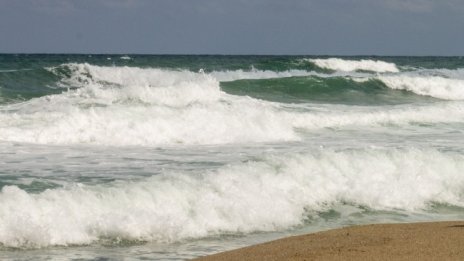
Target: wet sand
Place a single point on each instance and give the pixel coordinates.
(413, 241)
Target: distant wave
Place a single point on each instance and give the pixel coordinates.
(76, 73)
(434, 86)
(326, 89)
(440, 83)
(233, 75)
(338, 64)
(437, 83)
(14, 70)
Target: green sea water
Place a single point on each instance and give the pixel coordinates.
(133, 157)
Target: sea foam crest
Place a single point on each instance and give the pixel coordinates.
(149, 85)
(276, 193)
(338, 64)
(434, 86)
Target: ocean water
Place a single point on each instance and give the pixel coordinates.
(138, 157)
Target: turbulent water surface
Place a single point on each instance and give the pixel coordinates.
(173, 157)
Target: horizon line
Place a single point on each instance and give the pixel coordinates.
(225, 54)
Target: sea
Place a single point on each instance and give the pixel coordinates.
(172, 157)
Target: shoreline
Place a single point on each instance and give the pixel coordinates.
(405, 241)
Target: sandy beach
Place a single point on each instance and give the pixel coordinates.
(413, 241)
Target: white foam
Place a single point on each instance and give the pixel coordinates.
(342, 116)
(451, 73)
(276, 193)
(338, 64)
(243, 120)
(145, 125)
(14, 70)
(120, 106)
(434, 86)
(439, 72)
(227, 76)
(134, 106)
(254, 74)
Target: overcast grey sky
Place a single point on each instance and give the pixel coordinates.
(344, 27)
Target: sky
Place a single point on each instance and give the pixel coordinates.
(317, 27)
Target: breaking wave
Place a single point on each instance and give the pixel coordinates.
(338, 64)
(434, 86)
(275, 193)
(122, 106)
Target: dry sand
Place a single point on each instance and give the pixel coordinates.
(416, 241)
